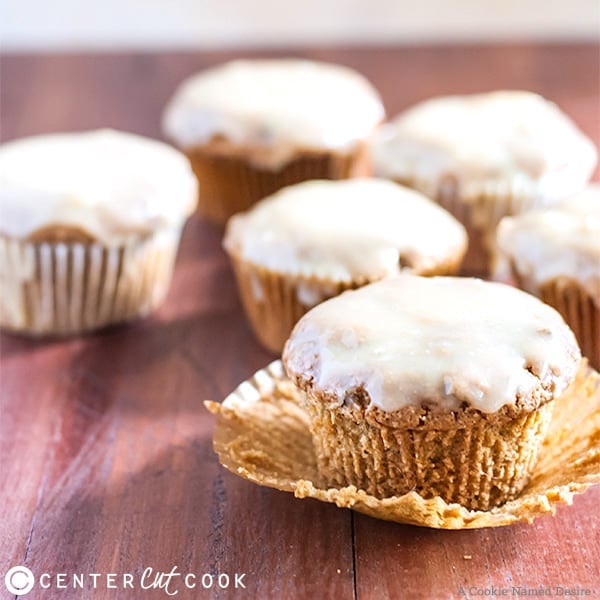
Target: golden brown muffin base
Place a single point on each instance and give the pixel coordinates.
(262, 434)
(61, 233)
(230, 182)
(272, 301)
(60, 287)
(479, 465)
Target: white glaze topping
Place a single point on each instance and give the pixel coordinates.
(440, 341)
(345, 230)
(108, 183)
(499, 140)
(283, 105)
(560, 242)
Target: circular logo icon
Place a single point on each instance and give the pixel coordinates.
(19, 581)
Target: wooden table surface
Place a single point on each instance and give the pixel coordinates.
(106, 461)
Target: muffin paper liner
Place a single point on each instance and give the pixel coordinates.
(274, 302)
(231, 183)
(479, 466)
(262, 434)
(64, 288)
(580, 312)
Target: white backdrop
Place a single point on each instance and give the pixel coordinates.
(108, 24)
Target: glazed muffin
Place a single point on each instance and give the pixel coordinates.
(555, 254)
(440, 385)
(89, 228)
(250, 127)
(486, 156)
(313, 240)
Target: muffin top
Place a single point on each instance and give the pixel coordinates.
(346, 231)
(441, 342)
(560, 242)
(106, 183)
(487, 142)
(287, 103)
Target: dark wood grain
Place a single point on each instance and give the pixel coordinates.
(106, 463)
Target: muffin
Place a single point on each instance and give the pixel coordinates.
(555, 254)
(440, 385)
(313, 240)
(89, 228)
(250, 127)
(484, 157)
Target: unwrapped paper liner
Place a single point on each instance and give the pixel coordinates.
(262, 434)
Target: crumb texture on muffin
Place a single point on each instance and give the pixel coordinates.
(280, 106)
(346, 231)
(442, 344)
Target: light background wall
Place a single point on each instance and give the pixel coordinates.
(144, 24)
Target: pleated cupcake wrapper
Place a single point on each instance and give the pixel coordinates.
(274, 302)
(66, 288)
(263, 434)
(479, 467)
(580, 312)
(230, 184)
(479, 208)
